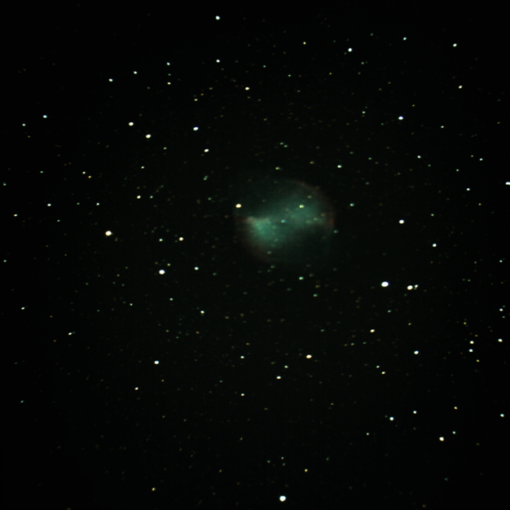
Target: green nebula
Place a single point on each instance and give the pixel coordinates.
(287, 223)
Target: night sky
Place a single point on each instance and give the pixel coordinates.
(252, 261)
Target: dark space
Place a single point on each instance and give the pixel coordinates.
(164, 349)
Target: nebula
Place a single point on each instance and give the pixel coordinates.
(285, 222)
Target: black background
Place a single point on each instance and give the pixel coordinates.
(163, 366)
